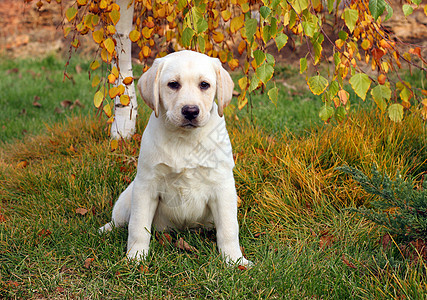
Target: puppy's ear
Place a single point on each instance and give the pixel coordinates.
(224, 87)
(148, 85)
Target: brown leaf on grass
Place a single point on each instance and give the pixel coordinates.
(12, 71)
(183, 245)
(36, 104)
(2, 218)
(257, 235)
(60, 289)
(164, 238)
(66, 103)
(415, 250)
(22, 164)
(386, 240)
(239, 201)
(78, 69)
(12, 283)
(88, 262)
(347, 262)
(242, 268)
(326, 240)
(44, 233)
(82, 211)
(143, 269)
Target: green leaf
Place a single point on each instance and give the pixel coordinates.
(326, 112)
(309, 28)
(264, 72)
(302, 65)
(250, 26)
(416, 2)
(281, 40)
(360, 83)
(389, 12)
(253, 84)
(299, 5)
(395, 112)
(201, 43)
(259, 57)
(187, 36)
(377, 8)
(350, 18)
(264, 11)
(380, 93)
(340, 114)
(273, 94)
(407, 9)
(71, 13)
(343, 35)
(317, 84)
(317, 41)
(331, 5)
(333, 88)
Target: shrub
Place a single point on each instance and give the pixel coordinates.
(399, 206)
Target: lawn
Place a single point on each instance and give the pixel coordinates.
(59, 180)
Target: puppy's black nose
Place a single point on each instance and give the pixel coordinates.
(190, 112)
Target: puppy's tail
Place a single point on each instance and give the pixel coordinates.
(121, 211)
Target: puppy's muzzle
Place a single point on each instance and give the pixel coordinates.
(190, 112)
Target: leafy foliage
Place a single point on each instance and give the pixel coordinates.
(401, 207)
(225, 29)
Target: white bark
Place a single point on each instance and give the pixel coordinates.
(124, 116)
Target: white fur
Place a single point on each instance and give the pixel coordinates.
(185, 173)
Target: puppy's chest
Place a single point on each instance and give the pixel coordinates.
(187, 184)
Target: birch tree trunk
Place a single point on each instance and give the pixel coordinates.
(124, 116)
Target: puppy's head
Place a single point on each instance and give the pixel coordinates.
(182, 87)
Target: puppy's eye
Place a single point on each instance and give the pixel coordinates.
(174, 85)
(204, 85)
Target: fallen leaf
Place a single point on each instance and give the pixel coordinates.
(22, 164)
(257, 235)
(164, 239)
(60, 289)
(78, 69)
(183, 245)
(386, 240)
(82, 211)
(12, 283)
(326, 240)
(2, 218)
(239, 201)
(44, 232)
(240, 267)
(143, 269)
(66, 103)
(347, 262)
(88, 262)
(37, 104)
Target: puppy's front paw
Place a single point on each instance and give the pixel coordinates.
(137, 254)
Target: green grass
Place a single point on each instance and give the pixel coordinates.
(293, 222)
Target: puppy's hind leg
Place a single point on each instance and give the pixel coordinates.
(121, 210)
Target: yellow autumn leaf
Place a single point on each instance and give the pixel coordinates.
(98, 36)
(128, 80)
(107, 109)
(226, 15)
(147, 32)
(115, 71)
(124, 100)
(113, 92)
(115, 16)
(98, 98)
(109, 45)
(134, 35)
(121, 89)
(237, 23)
(111, 78)
(217, 36)
(114, 144)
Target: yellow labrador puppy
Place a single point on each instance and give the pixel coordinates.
(185, 170)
